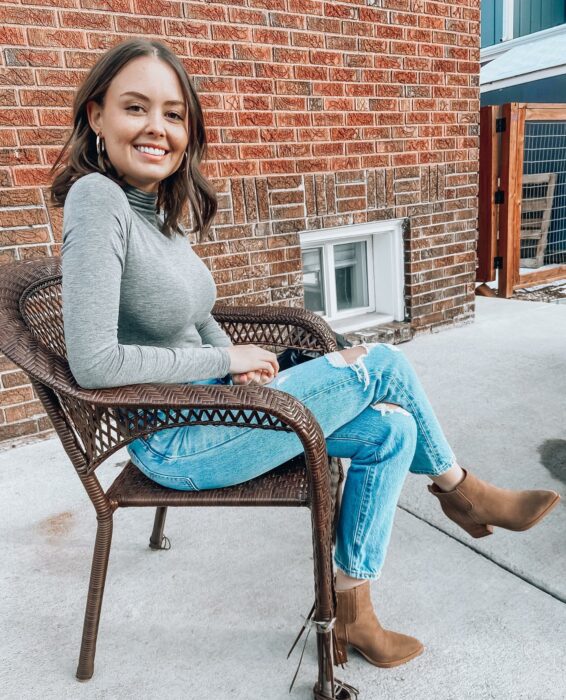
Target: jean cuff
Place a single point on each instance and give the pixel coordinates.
(358, 573)
(436, 471)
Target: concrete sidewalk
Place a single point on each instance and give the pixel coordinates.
(214, 617)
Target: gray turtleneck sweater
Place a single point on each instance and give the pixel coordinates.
(136, 304)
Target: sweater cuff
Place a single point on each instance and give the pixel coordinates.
(224, 360)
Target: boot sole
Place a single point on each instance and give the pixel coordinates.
(390, 664)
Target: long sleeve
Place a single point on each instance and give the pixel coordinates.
(212, 334)
(97, 225)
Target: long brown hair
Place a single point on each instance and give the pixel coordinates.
(78, 156)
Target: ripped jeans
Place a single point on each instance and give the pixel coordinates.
(352, 403)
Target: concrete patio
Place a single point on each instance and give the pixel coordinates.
(214, 617)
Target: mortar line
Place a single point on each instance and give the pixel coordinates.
(485, 556)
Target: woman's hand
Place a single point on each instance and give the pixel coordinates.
(252, 359)
(257, 377)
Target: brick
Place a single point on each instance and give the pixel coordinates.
(15, 430)
(33, 409)
(57, 37)
(240, 15)
(231, 33)
(32, 57)
(32, 176)
(27, 16)
(20, 197)
(290, 21)
(256, 119)
(85, 20)
(252, 53)
(308, 40)
(139, 25)
(110, 5)
(211, 49)
(238, 68)
(80, 59)
(203, 67)
(256, 152)
(290, 55)
(10, 397)
(16, 117)
(8, 98)
(12, 36)
(157, 8)
(190, 29)
(55, 117)
(19, 156)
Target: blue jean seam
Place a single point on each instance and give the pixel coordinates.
(436, 457)
(362, 515)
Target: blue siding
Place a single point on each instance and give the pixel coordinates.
(491, 22)
(534, 15)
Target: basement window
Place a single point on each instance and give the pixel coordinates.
(353, 275)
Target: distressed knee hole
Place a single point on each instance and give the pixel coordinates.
(336, 359)
(387, 408)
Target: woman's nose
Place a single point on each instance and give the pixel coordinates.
(155, 123)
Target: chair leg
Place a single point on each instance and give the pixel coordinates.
(158, 539)
(94, 600)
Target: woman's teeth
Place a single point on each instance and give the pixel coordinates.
(151, 151)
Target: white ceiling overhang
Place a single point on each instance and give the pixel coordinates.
(539, 59)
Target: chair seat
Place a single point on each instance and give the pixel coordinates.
(287, 485)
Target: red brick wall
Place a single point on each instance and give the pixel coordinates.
(319, 114)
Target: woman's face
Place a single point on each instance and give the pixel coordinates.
(143, 121)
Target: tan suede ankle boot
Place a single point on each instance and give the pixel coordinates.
(357, 625)
(477, 506)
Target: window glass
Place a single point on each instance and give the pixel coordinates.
(350, 263)
(313, 280)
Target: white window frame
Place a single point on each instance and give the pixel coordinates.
(385, 270)
(508, 17)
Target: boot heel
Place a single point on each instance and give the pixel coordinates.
(477, 530)
(340, 653)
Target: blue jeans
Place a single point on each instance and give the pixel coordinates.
(352, 405)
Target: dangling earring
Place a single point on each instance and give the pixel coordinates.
(100, 152)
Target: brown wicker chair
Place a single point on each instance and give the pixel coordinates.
(93, 424)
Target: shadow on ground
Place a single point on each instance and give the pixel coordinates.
(553, 456)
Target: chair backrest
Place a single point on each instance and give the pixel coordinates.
(42, 311)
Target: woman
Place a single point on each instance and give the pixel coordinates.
(137, 302)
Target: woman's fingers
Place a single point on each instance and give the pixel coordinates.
(251, 358)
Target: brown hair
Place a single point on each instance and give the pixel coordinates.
(78, 156)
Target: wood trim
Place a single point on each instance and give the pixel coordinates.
(540, 276)
(545, 112)
(487, 219)
(512, 146)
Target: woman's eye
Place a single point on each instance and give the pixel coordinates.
(175, 115)
(134, 107)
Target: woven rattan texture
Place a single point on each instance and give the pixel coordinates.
(285, 486)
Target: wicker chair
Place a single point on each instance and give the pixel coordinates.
(93, 424)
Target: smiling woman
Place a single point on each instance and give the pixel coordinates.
(137, 119)
(137, 304)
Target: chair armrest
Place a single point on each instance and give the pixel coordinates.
(282, 326)
(107, 419)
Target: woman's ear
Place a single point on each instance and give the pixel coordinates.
(94, 114)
